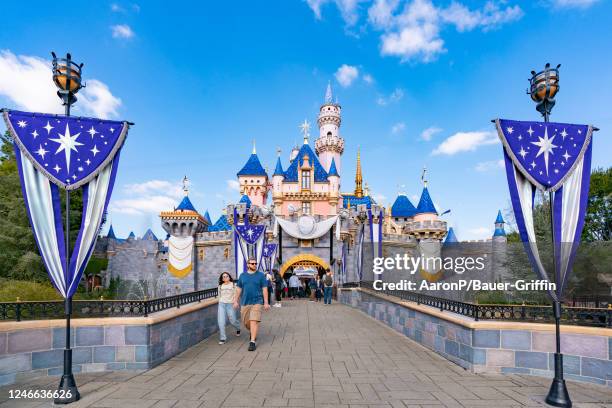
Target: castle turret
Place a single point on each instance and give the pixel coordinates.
(500, 233)
(426, 225)
(184, 220)
(334, 187)
(277, 184)
(358, 177)
(253, 180)
(329, 144)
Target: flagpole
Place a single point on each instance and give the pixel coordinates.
(543, 88)
(68, 80)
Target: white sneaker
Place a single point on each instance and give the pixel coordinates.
(277, 305)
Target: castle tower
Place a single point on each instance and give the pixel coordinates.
(426, 225)
(500, 233)
(358, 177)
(277, 184)
(329, 144)
(253, 180)
(334, 187)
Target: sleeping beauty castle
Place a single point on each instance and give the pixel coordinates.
(300, 220)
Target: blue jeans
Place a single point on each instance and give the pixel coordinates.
(223, 310)
(327, 295)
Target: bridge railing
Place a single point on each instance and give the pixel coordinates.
(54, 309)
(581, 316)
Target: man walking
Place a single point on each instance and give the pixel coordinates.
(294, 284)
(328, 284)
(252, 290)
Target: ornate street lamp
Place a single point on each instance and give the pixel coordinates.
(544, 85)
(67, 78)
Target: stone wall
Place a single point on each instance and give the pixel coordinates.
(36, 348)
(490, 346)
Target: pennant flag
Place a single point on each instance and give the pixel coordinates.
(55, 152)
(552, 157)
(250, 240)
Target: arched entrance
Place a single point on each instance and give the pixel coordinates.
(303, 260)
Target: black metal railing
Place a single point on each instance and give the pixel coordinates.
(54, 309)
(582, 316)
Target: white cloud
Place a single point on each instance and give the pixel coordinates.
(122, 31)
(233, 185)
(368, 79)
(26, 81)
(116, 8)
(395, 96)
(149, 197)
(412, 32)
(346, 75)
(380, 14)
(398, 128)
(428, 133)
(479, 233)
(465, 142)
(573, 3)
(348, 9)
(489, 165)
(379, 198)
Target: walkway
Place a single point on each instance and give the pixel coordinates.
(313, 355)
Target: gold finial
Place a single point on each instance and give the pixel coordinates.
(348, 204)
(358, 177)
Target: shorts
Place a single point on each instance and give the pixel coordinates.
(249, 313)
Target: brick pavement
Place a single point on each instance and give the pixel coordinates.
(311, 355)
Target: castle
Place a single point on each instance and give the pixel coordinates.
(314, 223)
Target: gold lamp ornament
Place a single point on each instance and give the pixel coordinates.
(67, 78)
(543, 86)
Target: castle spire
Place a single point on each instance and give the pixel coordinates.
(358, 177)
(254, 148)
(186, 185)
(328, 93)
(424, 176)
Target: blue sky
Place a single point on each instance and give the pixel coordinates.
(201, 81)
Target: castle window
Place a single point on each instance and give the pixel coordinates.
(329, 133)
(306, 180)
(306, 208)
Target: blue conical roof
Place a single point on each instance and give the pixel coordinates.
(111, 233)
(425, 203)
(333, 171)
(402, 207)
(252, 167)
(132, 235)
(207, 217)
(149, 235)
(186, 205)
(451, 237)
(221, 225)
(291, 175)
(499, 219)
(278, 170)
(245, 199)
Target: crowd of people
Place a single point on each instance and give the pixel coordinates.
(252, 294)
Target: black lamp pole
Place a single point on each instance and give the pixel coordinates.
(544, 86)
(67, 77)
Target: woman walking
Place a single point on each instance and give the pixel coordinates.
(319, 293)
(226, 292)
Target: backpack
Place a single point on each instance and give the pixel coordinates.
(327, 280)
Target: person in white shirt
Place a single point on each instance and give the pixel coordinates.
(294, 284)
(226, 293)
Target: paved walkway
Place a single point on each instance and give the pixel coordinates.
(313, 355)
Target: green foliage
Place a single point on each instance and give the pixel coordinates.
(95, 266)
(598, 220)
(10, 290)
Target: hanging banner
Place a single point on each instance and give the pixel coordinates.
(269, 256)
(250, 239)
(180, 256)
(343, 266)
(360, 253)
(376, 229)
(551, 157)
(54, 152)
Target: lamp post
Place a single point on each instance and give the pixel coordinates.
(67, 78)
(543, 86)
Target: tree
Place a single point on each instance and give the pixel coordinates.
(19, 256)
(598, 220)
